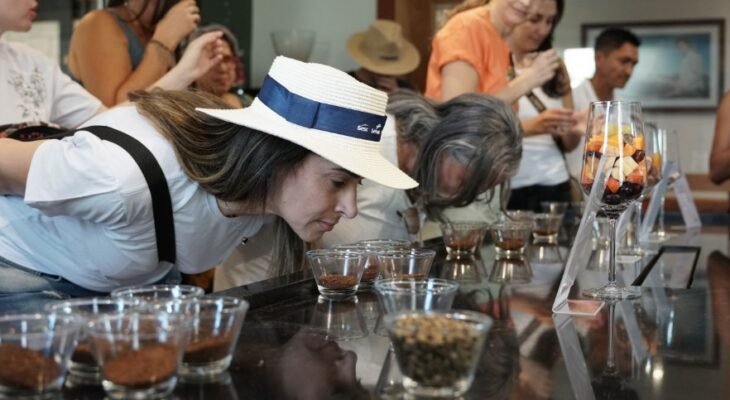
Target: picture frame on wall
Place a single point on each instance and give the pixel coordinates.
(680, 63)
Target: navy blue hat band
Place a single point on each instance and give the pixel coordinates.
(311, 114)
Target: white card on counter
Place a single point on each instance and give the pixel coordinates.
(686, 203)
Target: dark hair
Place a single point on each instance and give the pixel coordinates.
(612, 38)
(478, 130)
(559, 85)
(163, 6)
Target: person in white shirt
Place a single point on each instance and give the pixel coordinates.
(616, 55)
(548, 120)
(35, 91)
(458, 151)
(76, 216)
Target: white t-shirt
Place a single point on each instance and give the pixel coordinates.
(583, 96)
(542, 163)
(35, 89)
(87, 212)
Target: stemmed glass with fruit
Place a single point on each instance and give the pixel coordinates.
(615, 141)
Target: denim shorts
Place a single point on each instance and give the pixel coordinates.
(25, 290)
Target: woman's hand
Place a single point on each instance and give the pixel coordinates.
(554, 121)
(539, 70)
(200, 56)
(179, 22)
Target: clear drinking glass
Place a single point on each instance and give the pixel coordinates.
(217, 322)
(34, 353)
(406, 264)
(654, 156)
(667, 142)
(150, 293)
(337, 272)
(547, 227)
(510, 238)
(615, 136)
(409, 294)
(463, 238)
(139, 352)
(83, 368)
(437, 352)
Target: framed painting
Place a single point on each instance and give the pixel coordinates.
(680, 63)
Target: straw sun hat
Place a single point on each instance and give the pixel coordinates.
(325, 111)
(383, 49)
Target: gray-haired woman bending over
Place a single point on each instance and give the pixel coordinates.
(457, 150)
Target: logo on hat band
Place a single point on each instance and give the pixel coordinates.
(312, 114)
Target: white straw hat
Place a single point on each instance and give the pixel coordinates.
(325, 111)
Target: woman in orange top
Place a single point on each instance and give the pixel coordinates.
(469, 53)
(129, 45)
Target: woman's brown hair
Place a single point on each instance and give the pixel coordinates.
(229, 161)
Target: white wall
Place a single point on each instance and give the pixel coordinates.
(695, 128)
(333, 20)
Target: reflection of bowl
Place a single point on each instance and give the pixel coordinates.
(462, 269)
(339, 320)
(293, 43)
(510, 270)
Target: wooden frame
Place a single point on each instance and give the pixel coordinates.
(681, 63)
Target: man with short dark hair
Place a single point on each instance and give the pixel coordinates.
(616, 53)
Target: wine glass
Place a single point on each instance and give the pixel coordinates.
(653, 159)
(667, 142)
(614, 139)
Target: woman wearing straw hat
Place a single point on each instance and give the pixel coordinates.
(458, 150)
(78, 217)
(383, 54)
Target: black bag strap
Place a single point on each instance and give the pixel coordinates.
(161, 201)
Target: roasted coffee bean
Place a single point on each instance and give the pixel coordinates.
(338, 281)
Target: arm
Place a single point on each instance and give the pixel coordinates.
(15, 158)
(720, 155)
(101, 61)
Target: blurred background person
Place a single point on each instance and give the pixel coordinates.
(37, 93)
(384, 56)
(469, 53)
(720, 153)
(616, 53)
(223, 80)
(547, 116)
(129, 45)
